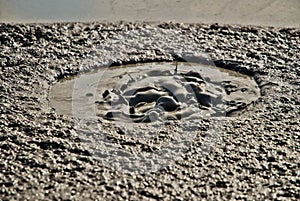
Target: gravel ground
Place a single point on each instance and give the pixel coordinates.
(254, 157)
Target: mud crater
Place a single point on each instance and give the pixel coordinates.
(149, 92)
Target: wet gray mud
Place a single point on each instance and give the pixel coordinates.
(45, 154)
(155, 91)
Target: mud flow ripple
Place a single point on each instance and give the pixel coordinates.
(150, 92)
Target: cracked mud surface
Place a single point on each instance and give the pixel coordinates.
(254, 156)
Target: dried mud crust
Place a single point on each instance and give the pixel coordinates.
(255, 157)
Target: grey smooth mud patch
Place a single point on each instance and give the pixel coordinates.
(134, 92)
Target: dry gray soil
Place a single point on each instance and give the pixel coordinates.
(254, 156)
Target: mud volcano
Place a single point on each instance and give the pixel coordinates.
(150, 92)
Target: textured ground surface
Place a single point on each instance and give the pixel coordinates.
(254, 157)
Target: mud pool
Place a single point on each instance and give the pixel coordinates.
(150, 92)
